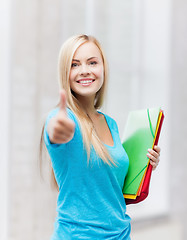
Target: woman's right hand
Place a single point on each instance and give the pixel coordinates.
(60, 128)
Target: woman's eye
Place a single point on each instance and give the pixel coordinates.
(74, 65)
(93, 63)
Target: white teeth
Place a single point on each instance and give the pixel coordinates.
(85, 81)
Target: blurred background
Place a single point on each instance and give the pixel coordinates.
(145, 42)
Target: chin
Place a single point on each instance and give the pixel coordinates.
(85, 92)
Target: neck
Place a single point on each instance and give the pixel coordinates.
(87, 104)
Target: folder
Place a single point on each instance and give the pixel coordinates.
(142, 132)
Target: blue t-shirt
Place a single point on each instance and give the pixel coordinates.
(90, 203)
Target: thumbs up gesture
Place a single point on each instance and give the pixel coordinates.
(60, 128)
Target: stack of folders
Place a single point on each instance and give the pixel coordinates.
(141, 132)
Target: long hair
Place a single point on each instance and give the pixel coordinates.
(90, 137)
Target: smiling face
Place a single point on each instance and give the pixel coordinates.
(87, 71)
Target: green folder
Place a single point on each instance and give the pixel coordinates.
(138, 137)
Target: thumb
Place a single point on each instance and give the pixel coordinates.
(63, 101)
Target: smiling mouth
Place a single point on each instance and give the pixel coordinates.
(85, 82)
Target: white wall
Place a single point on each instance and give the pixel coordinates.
(5, 98)
(162, 230)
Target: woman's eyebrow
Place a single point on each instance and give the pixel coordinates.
(76, 60)
(91, 58)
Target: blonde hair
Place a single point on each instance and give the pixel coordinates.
(90, 137)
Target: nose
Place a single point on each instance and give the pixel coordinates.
(84, 70)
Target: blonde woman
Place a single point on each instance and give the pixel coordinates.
(88, 160)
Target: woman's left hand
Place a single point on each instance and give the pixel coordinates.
(154, 156)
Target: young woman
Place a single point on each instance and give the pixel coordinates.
(88, 159)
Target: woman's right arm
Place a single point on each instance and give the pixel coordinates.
(60, 128)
